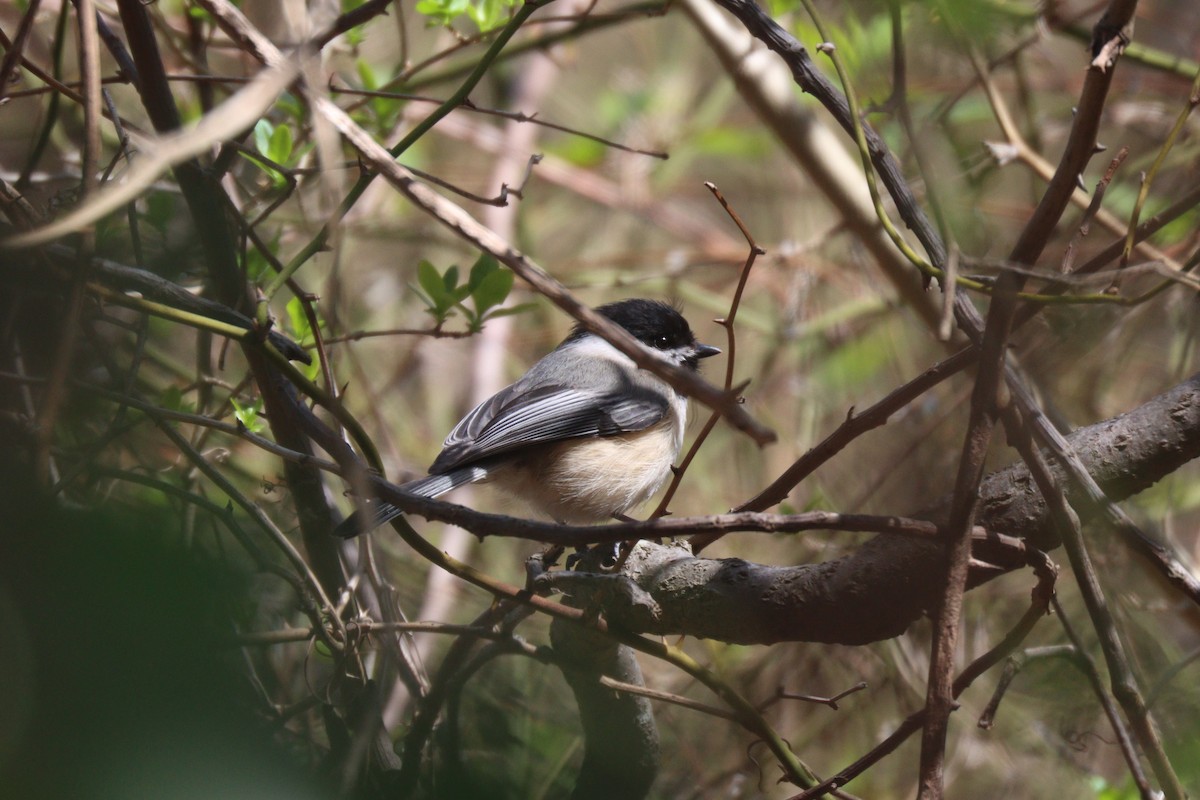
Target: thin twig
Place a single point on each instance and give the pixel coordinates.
(1148, 178)
(55, 394)
(1040, 599)
(854, 426)
(16, 47)
(668, 697)
(514, 116)
(1124, 740)
(363, 627)
(730, 349)
(262, 49)
(462, 224)
(1068, 261)
(259, 516)
(1124, 684)
(832, 702)
(1080, 147)
(1013, 665)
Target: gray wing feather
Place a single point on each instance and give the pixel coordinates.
(513, 419)
(478, 418)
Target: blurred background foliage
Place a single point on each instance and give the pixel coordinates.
(820, 330)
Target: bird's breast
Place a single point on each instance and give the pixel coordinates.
(594, 479)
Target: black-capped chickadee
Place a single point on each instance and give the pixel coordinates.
(583, 436)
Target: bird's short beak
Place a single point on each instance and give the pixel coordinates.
(706, 350)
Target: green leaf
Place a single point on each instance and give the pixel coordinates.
(248, 415)
(492, 290)
(366, 75)
(486, 14)
(263, 130)
(441, 291)
(455, 293)
(483, 266)
(520, 308)
(311, 371)
(279, 147)
(301, 328)
(442, 12)
(256, 264)
(431, 281)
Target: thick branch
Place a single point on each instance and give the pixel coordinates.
(621, 753)
(879, 590)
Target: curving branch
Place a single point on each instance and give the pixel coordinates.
(879, 590)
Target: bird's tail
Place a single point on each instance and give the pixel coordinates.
(380, 513)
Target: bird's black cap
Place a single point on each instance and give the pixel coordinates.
(655, 324)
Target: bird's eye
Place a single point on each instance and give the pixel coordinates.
(662, 343)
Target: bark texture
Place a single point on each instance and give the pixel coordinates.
(884, 586)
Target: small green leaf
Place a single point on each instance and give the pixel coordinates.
(492, 290)
(455, 293)
(431, 281)
(263, 130)
(441, 291)
(520, 308)
(248, 415)
(442, 11)
(279, 148)
(256, 265)
(486, 14)
(366, 75)
(483, 266)
(301, 328)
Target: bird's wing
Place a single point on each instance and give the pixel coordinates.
(514, 418)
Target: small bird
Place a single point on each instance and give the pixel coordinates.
(583, 436)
